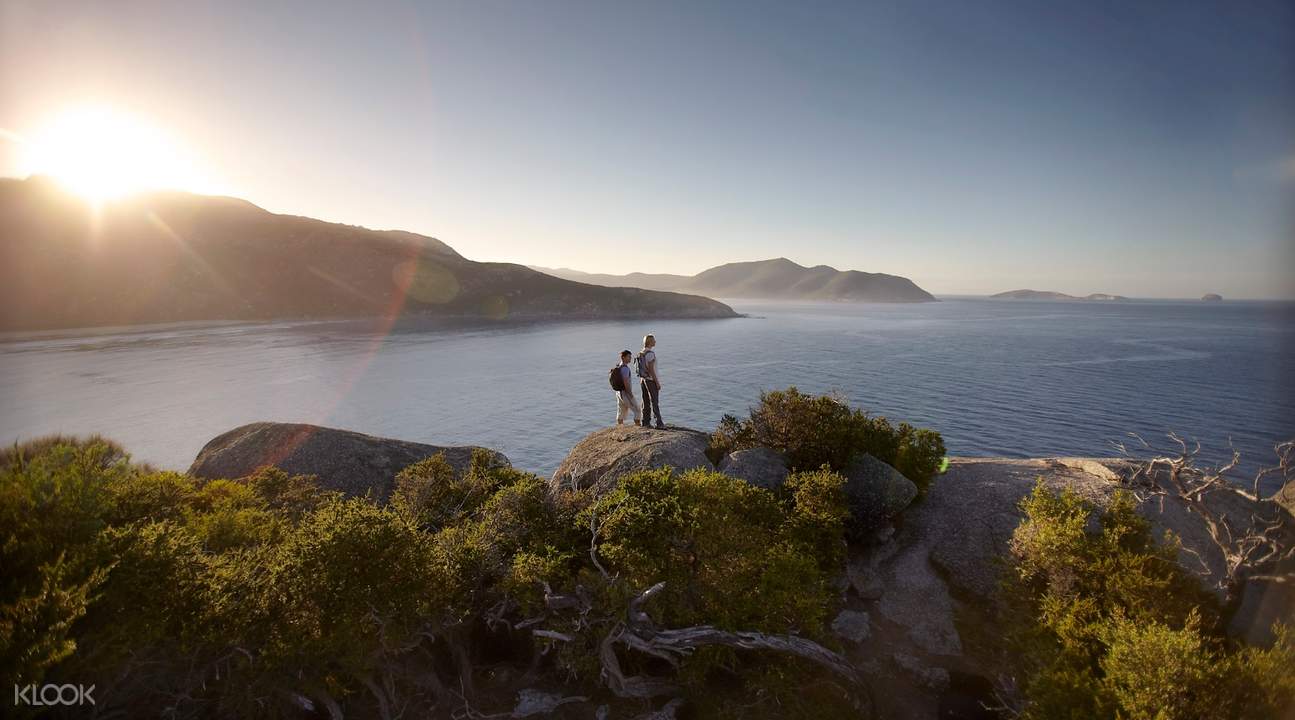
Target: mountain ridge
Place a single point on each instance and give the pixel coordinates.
(772, 279)
(172, 256)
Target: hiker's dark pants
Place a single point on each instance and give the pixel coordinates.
(651, 401)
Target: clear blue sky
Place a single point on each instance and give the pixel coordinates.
(1146, 149)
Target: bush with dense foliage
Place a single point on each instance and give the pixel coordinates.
(706, 534)
(255, 596)
(817, 430)
(1111, 626)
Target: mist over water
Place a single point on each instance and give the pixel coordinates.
(1009, 378)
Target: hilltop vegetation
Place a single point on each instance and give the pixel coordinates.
(167, 257)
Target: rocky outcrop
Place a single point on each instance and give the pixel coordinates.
(350, 462)
(760, 467)
(930, 590)
(876, 491)
(605, 455)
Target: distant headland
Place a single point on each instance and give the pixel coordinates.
(1052, 295)
(169, 257)
(776, 279)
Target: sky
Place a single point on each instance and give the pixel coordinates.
(1145, 149)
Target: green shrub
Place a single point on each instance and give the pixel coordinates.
(351, 582)
(147, 496)
(289, 495)
(431, 494)
(919, 454)
(1109, 625)
(531, 570)
(811, 430)
(1152, 670)
(817, 430)
(155, 592)
(51, 513)
(229, 597)
(818, 515)
(36, 620)
(228, 514)
(731, 434)
(731, 554)
(1077, 575)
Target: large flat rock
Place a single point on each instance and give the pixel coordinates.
(604, 455)
(350, 462)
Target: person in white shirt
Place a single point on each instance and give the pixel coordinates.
(625, 400)
(650, 382)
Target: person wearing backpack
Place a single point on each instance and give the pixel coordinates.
(645, 366)
(619, 378)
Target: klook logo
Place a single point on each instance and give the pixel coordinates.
(53, 695)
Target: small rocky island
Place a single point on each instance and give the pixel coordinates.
(1052, 295)
(1212, 297)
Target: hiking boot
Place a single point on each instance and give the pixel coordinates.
(660, 426)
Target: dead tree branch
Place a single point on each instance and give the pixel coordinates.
(639, 633)
(1256, 543)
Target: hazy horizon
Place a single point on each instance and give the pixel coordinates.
(1141, 151)
(950, 295)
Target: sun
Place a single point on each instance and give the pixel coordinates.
(102, 153)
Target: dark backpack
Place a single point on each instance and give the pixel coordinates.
(615, 378)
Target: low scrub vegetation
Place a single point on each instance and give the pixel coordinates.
(817, 430)
(265, 596)
(1111, 626)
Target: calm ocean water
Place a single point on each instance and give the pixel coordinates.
(1013, 378)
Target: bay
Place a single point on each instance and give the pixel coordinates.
(996, 378)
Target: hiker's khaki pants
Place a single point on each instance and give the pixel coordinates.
(625, 401)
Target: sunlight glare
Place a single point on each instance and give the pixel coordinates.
(101, 154)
